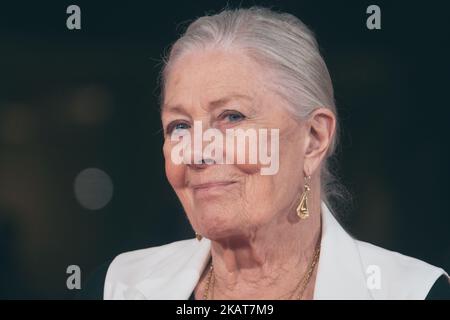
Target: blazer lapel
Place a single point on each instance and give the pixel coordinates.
(340, 274)
(175, 278)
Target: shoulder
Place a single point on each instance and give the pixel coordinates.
(129, 268)
(130, 264)
(349, 268)
(158, 252)
(391, 275)
(144, 273)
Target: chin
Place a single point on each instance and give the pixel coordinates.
(217, 224)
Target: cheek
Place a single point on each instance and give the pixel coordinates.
(256, 205)
(249, 169)
(175, 173)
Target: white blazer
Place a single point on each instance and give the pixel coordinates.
(347, 269)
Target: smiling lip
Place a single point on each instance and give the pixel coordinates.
(206, 190)
(211, 185)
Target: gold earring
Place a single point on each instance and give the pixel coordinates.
(198, 236)
(302, 209)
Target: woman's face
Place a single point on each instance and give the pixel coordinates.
(228, 90)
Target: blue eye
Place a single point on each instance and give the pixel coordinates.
(232, 116)
(180, 126)
(177, 126)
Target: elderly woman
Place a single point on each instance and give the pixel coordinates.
(258, 236)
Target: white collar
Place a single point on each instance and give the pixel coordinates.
(172, 271)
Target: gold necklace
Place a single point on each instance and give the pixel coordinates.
(307, 276)
(302, 284)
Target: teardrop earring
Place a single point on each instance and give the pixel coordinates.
(302, 209)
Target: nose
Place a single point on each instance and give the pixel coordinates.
(205, 162)
(198, 159)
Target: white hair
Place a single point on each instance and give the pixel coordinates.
(285, 45)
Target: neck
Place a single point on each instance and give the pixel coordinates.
(269, 262)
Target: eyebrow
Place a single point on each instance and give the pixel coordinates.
(212, 104)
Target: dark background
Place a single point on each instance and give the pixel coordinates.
(71, 100)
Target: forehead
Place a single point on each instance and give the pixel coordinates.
(202, 76)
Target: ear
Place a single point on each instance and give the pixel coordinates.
(320, 128)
